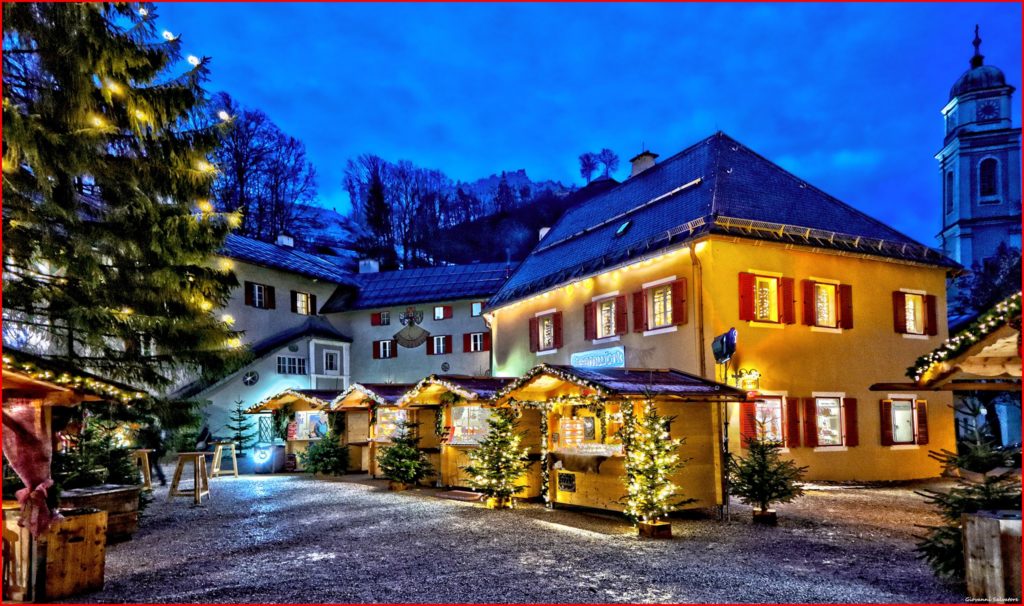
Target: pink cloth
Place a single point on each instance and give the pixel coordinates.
(27, 449)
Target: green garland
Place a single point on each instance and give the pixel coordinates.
(558, 373)
(545, 473)
(1004, 312)
(87, 384)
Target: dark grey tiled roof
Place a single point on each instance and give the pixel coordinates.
(408, 286)
(715, 186)
(632, 382)
(284, 258)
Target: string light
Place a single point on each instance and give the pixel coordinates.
(97, 121)
(204, 166)
(205, 206)
(224, 115)
(69, 380)
(141, 115)
(114, 87)
(193, 60)
(143, 12)
(226, 264)
(234, 343)
(227, 319)
(168, 35)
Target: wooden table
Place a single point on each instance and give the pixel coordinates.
(201, 485)
(141, 456)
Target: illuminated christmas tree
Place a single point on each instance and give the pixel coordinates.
(652, 458)
(499, 462)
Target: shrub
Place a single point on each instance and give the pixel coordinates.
(763, 477)
(326, 456)
(402, 460)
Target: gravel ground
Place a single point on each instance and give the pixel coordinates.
(290, 538)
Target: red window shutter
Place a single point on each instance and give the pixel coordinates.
(589, 322)
(748, 422)
(931, 323)
(487, 341)
(810, 423)
(375, 319)
(808, 287)
(850, 422)
(248, 293)
(922, 421)
(376, 350)
(556, 326)
(534, 335)
(678, 301)
(746, 296)
(294, 301)
(885, 420)
(621, 315)
(430, 346)
(312, 304)
(447, 312)
(467, 341)
(792, 422)
(845, 306)
(639, 311)
(787, 301)
(271, 298)
(448, 347)
(899, 311)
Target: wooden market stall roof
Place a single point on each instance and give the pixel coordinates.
(470, 388)
(315, 399)
(383, 394)
(630, 383)
(984, 356)
(57, 382)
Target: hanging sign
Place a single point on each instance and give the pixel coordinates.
(610, 357)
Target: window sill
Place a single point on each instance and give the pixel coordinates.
(826, 329)
(546, 352)
(830, 449)
(660, 331)
(908, 335)
(905, 447)
(757, 324)
(604, 340)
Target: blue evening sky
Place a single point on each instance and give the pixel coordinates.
(845, 96)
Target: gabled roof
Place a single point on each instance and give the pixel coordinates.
(470, 388)
(314, 398)
(32, 372)
(628, 383)
(384, 394)
(715, 186)
(284, 258)
(409, 286)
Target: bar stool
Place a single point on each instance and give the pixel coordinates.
(141, 457)
(200, 486)
(218, 453)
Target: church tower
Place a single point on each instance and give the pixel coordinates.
(979, 165)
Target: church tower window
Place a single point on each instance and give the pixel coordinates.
(988, 177)
(948, 191)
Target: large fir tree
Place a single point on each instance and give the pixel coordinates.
(498, 463)
(108, 231)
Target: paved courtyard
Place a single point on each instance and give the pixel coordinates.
(290, 538)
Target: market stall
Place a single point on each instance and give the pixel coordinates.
(452, 411)
(298, 418)
(581, 410)
(371, 414)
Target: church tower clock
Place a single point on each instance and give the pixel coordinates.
(979, 165)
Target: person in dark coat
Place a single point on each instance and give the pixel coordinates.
(152, 436)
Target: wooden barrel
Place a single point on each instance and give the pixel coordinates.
(120, 502)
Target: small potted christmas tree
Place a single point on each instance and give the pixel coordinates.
(498, 462)
(763, 477)
(402, 461)
(652, 458)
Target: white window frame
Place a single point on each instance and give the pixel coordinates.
(842, 420)
(385, 318)
(259, 295)
(608, 303)
(476, 309)
(924, 311)
(773, 305)
(649, 297)
(302, 303)
(782, 414)
(337, 371)
(912, 445)
(439, 312)
(384, 347)
(292, 365)
(476, 341)
(439, 349)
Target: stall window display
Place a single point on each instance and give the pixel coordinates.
(387, 422)
(469, 424)
(582, 434)
(768, 412)
(310, 425)
(830, 429)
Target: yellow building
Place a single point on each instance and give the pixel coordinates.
(581, 410)
(362, 404)
(825, 301)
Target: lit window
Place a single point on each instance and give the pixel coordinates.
(385, 349)
(387, 422)
(385, 318)
(291, 365)
(830, 424)
(902, 422)
(768, 414)
(606, 318)
(476, 309)
(546, 328)
(259, 296)
(439, 312)
(661, 306)
(439, 345)
(476, 341)
(915, 314)
(302, 303)
(310, 425)
(766, 299)
(825, 305)
(469, 424)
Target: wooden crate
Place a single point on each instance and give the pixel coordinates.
(992, 555)
(66, 561)
(120, 502)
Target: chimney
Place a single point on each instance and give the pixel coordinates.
(284, 239)
(543, 232)
(369, 266)
(642, 162)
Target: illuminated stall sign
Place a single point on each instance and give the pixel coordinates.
(609, 357)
